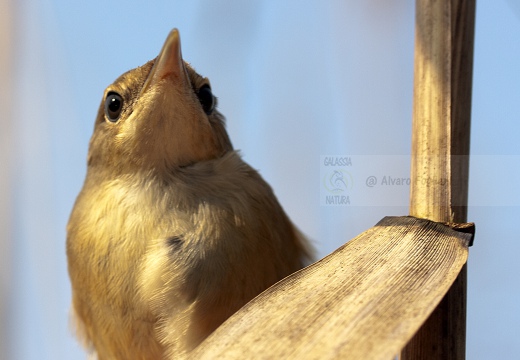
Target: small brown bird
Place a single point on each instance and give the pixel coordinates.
(172, 232)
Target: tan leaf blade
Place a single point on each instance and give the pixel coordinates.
(364, 301)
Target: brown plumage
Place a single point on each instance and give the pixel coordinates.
(172, 232)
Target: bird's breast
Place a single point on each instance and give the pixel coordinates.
(110, 229)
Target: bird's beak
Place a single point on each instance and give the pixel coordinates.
(169, 62)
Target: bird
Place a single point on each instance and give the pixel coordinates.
(172, 231)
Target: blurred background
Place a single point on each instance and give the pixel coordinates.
(297, 81)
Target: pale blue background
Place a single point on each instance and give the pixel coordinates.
(296, 80)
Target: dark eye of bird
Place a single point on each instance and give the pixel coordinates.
(206, 98)
(113, 106)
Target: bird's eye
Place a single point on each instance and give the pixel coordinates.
(206, 98)
(113, 106)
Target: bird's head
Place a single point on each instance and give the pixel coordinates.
(158, 117)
